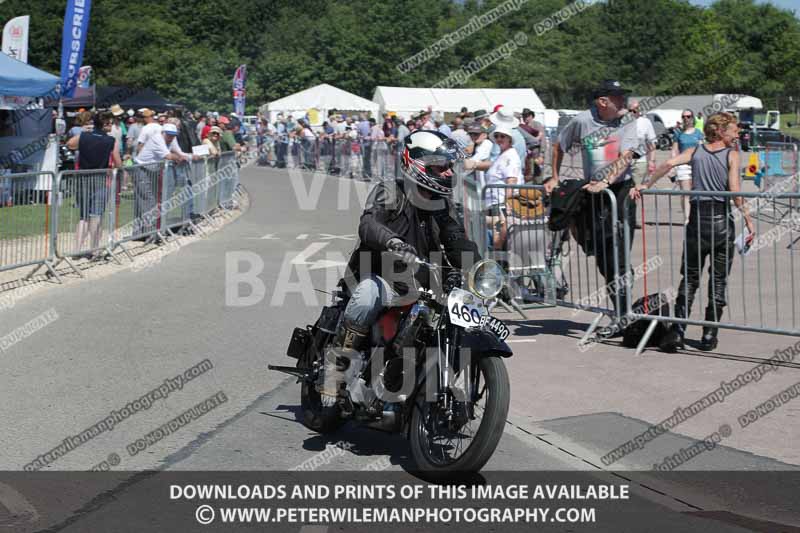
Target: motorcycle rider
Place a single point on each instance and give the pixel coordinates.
(403, 220)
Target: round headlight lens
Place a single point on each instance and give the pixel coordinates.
(486, 279)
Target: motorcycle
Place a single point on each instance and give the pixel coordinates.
(435, 373)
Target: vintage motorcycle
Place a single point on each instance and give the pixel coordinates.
(435, 373)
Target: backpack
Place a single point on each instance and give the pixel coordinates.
(657, 305)
(566, 201)
(526, 204)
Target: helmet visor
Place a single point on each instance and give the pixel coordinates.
(436, 170)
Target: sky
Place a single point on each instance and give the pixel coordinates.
(786, 4)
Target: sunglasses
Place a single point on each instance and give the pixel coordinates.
(688, 116)
(440, 170)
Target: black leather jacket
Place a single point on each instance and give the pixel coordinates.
(391, 212)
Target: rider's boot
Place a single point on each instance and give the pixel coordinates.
(350, 342)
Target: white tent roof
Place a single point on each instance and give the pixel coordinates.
(322, 97)
(409, 100)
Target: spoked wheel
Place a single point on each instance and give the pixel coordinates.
(461, 439)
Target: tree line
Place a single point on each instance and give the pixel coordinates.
(188, 50)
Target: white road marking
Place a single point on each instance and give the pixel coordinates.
(18, 506)
(302, 237)
(267, 237)
(522, 340)
(328, 236)
(303, 257)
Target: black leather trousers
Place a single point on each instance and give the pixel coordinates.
(709, 234)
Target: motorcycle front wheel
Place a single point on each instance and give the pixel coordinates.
(450, 444)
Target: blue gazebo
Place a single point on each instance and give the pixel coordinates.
(20, 79)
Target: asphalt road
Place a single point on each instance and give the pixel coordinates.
(106, 343)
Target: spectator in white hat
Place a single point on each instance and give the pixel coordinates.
(163, 146)
(506, 117)
(506, 169)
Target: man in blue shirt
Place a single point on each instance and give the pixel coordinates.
(443, 128)
(363, 128)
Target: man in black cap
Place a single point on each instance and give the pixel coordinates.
(607, 144)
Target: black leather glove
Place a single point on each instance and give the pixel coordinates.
(452, 281)
(405, 252)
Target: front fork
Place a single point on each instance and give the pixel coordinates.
(456, 374)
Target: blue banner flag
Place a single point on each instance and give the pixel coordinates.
(73, 41)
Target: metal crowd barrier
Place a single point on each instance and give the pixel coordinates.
(202, 203)
(27, 219)
(354, 158)
(228, 176)
(138, 206)
(47, 218)
(382, 162)
(761, 293)
(177, 202)
(468, 200)
(351, 159)
(573, 268)
(86, 211)
(267, 151)
(781, 173)
(211, 185)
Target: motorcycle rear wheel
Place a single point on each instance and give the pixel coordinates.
(316, 416)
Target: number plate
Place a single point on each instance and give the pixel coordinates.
(465, 308)
(496, 326)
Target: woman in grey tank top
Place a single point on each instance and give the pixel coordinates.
(710, 231)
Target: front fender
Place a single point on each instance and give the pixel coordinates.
(485, 343)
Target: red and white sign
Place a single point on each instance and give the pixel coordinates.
(15, 38)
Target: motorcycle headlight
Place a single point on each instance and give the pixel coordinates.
(486, 279)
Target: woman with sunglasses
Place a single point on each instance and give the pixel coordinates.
(213, 141)
(686, 137)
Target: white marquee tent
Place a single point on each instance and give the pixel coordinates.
(406, 101)
(323, 98)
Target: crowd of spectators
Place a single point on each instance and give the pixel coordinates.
(132, 129)
(359, 134)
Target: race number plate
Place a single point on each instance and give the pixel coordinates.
(496, 326)
(465, 308)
